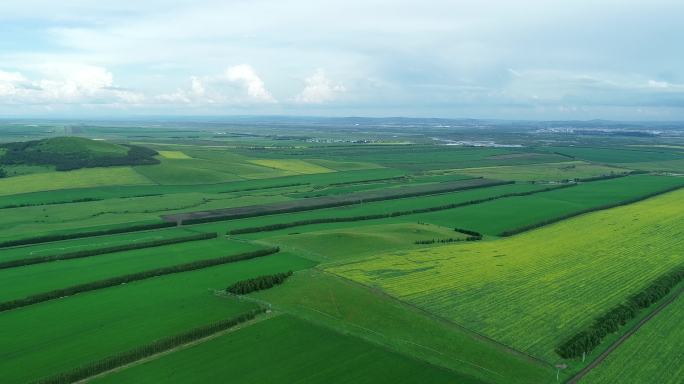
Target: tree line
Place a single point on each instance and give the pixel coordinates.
(165, 344)
(114, 281)
(446, 241)
(324, 220)
(258, 283)
(22, 205)
(106, 250)
(23, 153)
(586, 340)
(556, 219)
(339, 201)
(79, 235)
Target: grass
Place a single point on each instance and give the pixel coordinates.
(651, 355)
(351, 308)
(360, 241)
(49, 276)
(82, 178)
(288, 350)
(532, 293)
(292, 165)
(174, 155)
(59, 335)
(618, 155)
(543, 172)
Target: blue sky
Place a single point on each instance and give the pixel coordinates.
(524, 59)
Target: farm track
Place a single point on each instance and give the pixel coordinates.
(575, 379)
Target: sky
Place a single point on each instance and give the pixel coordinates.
(502, 59)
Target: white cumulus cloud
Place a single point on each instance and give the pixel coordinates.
(245, 75)
(319, 89)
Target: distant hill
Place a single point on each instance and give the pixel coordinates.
(68, 153)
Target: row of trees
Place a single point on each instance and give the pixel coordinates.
(258, 283)
(588, 339)
(22, 205)
(445, 241)
(79, 235)
(165, 344)
(106, 250)
(473, 234)
(542, 223)
(339, 201)
(26, 153)
(3, 173)
(324, 220)
(114, 281)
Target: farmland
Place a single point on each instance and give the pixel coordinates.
(485, 286)
(309, 254)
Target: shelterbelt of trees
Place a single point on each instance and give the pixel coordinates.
(258, 283)
(588, 339)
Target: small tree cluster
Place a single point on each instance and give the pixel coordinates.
(588, 339)
(3, 173)
(258, 283)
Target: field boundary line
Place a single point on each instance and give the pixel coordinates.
(617, 343)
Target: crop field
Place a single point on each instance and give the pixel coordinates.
(300, 347)
(543, 172)
(653, 354)
(174, 155)
(290, 165)
(455, 253)
(59, 335)
(65, 273)
(352, 308)
(531, 293)
(82, 178)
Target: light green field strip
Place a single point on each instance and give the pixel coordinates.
(59, 335)
(17, 283)
(652, 355)
(543, 172)
(351, 308)
(534, 290)
(286, 350)
(174, 155)
(82, 178)
(292, 165)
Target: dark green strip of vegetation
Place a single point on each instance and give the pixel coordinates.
(258, 283)
(588, 339)
(114, 281)
(79, 235)
(266, 187)
(105, 250)
(331, 201)
(542, 223)
(324, 220)
(475, 234)
(83, 200)
(148, 350)
(446, 241)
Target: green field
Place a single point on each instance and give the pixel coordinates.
(82, 178)
(652, 355)
(543, 172)
(59, 335)
(303, 353)
(54, 275)
(527, 291)
(351, 308)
